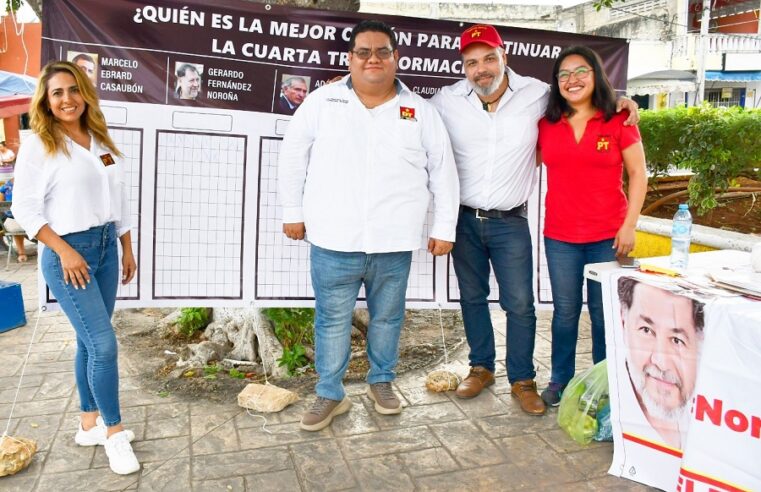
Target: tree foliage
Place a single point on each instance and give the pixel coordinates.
(716, 144)
(599, 4)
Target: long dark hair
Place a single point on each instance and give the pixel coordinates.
(603, 96)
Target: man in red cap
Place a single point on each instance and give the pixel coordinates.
(492, 118)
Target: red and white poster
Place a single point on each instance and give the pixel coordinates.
(685, 383)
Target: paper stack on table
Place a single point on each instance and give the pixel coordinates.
(744, 282)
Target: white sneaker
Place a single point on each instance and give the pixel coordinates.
(121, 458)
(97, 435)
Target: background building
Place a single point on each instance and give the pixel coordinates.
(663, 35)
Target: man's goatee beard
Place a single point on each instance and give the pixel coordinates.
(491, 88)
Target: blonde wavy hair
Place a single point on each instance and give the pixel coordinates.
(46, 126)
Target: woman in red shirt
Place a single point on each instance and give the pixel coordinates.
(585, 147)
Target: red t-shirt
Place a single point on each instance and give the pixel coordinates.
(585, 199)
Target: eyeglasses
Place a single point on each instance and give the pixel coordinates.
(580, 73)
(366, 53)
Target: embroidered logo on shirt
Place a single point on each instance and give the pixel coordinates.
(107, 159)
(406, 113)
(335, 100)
(603, 141)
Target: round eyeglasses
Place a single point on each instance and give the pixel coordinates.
(579, 73)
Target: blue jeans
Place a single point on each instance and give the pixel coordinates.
(565, 262)
(336, 279)
(89, 310)
(506, 243)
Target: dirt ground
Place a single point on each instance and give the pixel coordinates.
(732, 214)
(420, 346)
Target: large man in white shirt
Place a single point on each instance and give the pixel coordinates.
(492, 118)
(358, 164)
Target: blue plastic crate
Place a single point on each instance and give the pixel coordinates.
(11, 306)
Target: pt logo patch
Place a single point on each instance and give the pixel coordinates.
(406, 113)
(603, 142)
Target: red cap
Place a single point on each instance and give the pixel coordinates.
(480, 33)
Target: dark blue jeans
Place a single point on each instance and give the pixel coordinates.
(89, 310)
(506, 243)
(566, 262)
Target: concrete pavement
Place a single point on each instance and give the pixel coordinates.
(439, 442)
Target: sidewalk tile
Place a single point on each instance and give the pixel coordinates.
(320, 466)
(166, 476)
(279, 481)
(225, 465)
(487, 478)
(92, 479)
(222, 439)
(387, 442)
(174, 427)
(420, 395)
(482, 405)
(235, 484)
(529, 452)
(418, 415)
(592, 462)
(467, 444)
(428, 461)
(383, 473)
(355, 421)
(278, 435)
(515, 422)
(562, 443)
(29, 408)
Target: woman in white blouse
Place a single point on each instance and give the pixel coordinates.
(70, 193)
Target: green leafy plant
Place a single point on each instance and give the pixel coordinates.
(293, 358)
(210, 371)
(192, 320)
(716, 144)
(234, 373)
(294, 328)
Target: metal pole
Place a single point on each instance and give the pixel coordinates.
(702, 51)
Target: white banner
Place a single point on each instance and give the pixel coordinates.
(684, 373)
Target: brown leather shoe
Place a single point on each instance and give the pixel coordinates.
(478, 379)
(525, 392)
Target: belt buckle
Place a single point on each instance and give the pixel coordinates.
(479, 216)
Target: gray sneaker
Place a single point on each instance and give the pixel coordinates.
(322, 411)
(385, 400)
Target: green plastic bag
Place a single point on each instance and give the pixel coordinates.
(582, 399)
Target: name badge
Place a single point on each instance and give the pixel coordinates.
(406, 113)
(107, 159)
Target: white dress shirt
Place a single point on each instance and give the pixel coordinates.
(361, 179)
(495, 152)
(69, 193)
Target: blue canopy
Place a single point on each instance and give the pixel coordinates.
(12, 84)
(734, 76)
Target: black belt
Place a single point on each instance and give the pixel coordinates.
(521, 211)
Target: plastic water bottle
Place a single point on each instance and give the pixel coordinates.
(680, 238)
